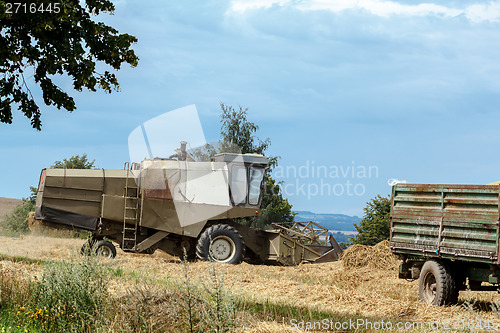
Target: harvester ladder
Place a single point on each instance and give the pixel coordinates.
(130, 214)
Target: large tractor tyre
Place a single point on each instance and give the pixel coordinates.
(101, 248)
(221, 243)
(436, 285)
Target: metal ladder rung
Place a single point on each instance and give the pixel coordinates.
(131, 204)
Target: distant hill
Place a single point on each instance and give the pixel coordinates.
(330, 221)
(7, 205)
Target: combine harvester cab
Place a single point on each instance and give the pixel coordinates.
(183, 207)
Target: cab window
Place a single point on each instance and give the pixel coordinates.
(239, 184)
(256, 176)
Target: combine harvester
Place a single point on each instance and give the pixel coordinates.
(179, 206)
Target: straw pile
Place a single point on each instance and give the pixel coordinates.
(378, 256)
(34, 225)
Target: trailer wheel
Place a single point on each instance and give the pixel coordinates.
(106, 249)
(436, 285)
(102, 248)
(221, 243)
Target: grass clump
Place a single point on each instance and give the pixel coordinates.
(220, 309)
(145, 308)
(71, 296)
(207, 306)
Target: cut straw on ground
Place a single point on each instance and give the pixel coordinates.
(364, 283)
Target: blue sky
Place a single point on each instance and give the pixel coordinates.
(409, 89)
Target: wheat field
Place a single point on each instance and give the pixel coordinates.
(364, 284)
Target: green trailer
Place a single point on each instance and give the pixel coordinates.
(181, 206)
(447, 237)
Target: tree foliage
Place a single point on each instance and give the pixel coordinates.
(375, 225)
(65, 40)
(238, 131)
(274, 208)
(17, 221)
(74, 162)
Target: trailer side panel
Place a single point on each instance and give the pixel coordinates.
(449, 221)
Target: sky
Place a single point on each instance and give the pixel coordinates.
(351, 93)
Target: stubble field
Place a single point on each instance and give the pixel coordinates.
(363, 287)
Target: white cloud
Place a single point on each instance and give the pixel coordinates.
(475, 13)
(240, 6)
(380, 8)
(481, 12)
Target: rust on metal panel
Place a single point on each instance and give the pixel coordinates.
(458, 221)
(440, 231)
(498, 227)
(391, 226)
(159, 194)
